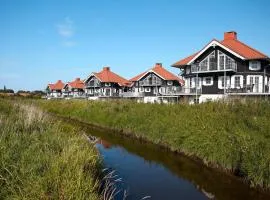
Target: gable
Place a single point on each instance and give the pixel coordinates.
(91, 77)
(212, 45)
(150, 75)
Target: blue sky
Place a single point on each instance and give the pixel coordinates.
(43, 41)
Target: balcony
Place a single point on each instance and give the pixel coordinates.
(182, 91)
(213, 67)
(248, 89)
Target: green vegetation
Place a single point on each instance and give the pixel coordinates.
(234, 136)
(42, 158)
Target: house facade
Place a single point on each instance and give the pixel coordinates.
(74, 89)
(227, 67)
(105, 84)
(155, 84)
(54, 90)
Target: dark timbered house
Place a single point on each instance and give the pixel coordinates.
(54, 90)
(105, 84)
(227, 67)
(155, 84)
(74, 89)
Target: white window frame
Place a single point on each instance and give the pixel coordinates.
(233, 81)
(208, 60)
(147, 89)
(207, 84)
(107, 84)
(169, 82)
(225, 55)
(251, 65)
(221, 79)
(188, 69)
(141, 89)
(260, 86)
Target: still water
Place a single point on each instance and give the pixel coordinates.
(147, 170)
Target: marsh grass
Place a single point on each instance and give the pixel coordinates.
(232, 136)
(42, 158)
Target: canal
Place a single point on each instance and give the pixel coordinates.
(146, 170)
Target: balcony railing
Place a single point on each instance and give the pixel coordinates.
(248, 89)
(182, 91)
(132, 94)
(213, 67)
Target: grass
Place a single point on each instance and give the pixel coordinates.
(42, 158)
(233, 136)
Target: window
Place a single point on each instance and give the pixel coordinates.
(208, 81)
(237, 81)
(225, 62)
(147, 89)
(192, 82)
(255, 83)
(187, 70)
(141, 89)
(169, 83)
(221, 82)
(107, 84)
(254, 65)
(209, 63)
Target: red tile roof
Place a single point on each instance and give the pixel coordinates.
(107, 76)
(185, 60)
(56, 86)
(231, 42)
(243, 49)
(160, 71)
(77, 83)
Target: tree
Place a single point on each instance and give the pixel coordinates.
(5, 88)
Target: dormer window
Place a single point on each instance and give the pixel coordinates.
(254, 65)
(169, 83)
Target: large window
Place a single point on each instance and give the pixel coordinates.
(237, 81)
(221, 82)
(254, 65)
(255, 82)
(208, 63)
(225, 62)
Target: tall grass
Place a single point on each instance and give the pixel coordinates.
(233, 136)
(41, 158)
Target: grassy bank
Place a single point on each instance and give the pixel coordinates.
(41, 158)
(234, 137)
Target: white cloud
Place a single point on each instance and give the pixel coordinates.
(66, 28)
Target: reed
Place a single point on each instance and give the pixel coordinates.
(42, 158)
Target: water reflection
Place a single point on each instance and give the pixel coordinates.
(150, 170)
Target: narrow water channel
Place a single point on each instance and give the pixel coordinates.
(148, 170)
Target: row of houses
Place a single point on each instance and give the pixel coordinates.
(219, 70)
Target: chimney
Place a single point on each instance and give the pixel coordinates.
(158, 65)
(231, 35)
(59, 81)
(77, 79)
(106, 68)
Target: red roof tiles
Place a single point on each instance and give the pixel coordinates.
(56, 86)
(160, 71)
(107, 76)
(77, 83)
(231, 42)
